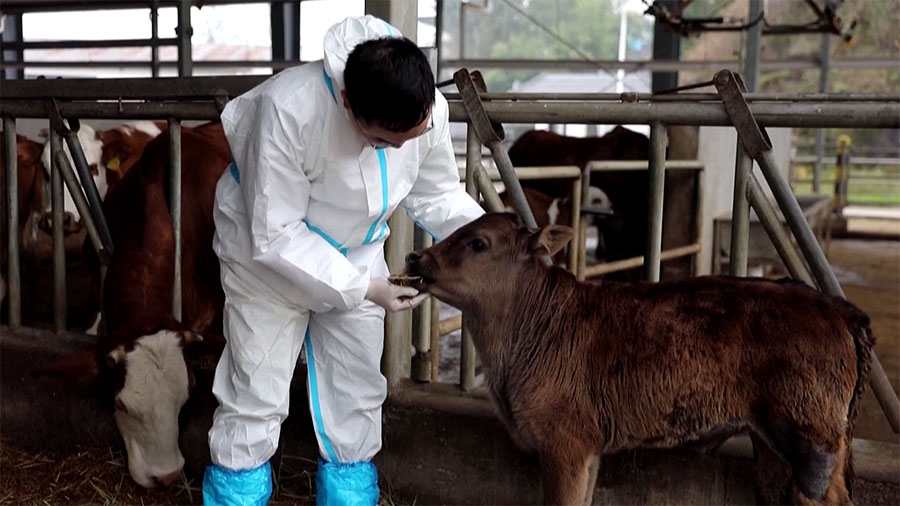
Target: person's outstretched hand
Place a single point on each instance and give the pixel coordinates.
(393, 298)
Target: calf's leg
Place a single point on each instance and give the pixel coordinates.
(593, 469)
(564, 473)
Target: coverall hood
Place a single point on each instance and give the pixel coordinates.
(342, 38)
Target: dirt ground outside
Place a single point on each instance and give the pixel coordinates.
(869, 272)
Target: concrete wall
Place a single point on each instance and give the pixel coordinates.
(717, 152)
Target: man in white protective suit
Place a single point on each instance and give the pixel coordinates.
(322, 155)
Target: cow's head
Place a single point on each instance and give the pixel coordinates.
(92, 146)
(144, 383)
(484, 259)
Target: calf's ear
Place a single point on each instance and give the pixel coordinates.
(549, 240)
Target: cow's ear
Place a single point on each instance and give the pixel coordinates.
(549, 240)
(78, 368)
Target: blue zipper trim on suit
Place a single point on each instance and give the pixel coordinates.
(234, 172)
(390, 30)
(314, 393)
(329, 84)
(382, 161)
(325, 236)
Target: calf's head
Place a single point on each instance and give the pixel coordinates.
(145, 383)
(485, 260)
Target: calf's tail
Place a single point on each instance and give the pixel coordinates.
(859, 326)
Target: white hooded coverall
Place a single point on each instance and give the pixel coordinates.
(301, 218)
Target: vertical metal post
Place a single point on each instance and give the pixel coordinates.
(754, 46)
(740, 214)
(825, 66)
(666, 46)
(59, 244)
(574, 247)
(698, 220)
(12, 187)
(435, 338)
(12, 32)
(438, 31)
(154, 38)
(175, 208)
(467, 347)
(824, 275)
(421, 361)
(184, 32)
(655, 207)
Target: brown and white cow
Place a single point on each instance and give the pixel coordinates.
(577, 370)
(143, 364)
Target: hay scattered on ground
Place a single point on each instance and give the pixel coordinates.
(99, 475)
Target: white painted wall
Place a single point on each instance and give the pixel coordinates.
(717, 152)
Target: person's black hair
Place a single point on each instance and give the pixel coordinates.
(389, 83)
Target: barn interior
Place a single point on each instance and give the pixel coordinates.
(690, 137)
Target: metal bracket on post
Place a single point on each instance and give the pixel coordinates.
(757, 145)
(487, 133)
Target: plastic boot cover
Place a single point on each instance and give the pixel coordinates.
(346, 484)
(224, 487)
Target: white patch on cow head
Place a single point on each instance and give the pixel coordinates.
(553, 212)
(148, 127)
(156, 387)
(93, 151)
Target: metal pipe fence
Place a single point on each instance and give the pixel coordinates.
(657, 114)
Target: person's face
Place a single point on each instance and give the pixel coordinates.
(379, 138)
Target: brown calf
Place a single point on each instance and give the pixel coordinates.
(578, 369)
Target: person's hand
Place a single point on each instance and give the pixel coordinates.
(393, 298)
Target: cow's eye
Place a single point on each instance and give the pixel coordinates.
(478, 245)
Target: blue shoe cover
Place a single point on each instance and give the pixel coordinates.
(224, 487)
(346, 484)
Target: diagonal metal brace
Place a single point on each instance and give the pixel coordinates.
(87, 185)
(485, 131)
(753, 139)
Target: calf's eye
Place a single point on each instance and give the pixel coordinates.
(478, 245)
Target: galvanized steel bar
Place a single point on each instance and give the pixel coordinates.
(488, 192)
(59, 244)
(829, 115)
(824, 275)
(533, 173)
(664, 65)
(575, 224)
(74, 187)
(825, 59)
(87, 187)
(174, 132)
(14, 292)
(633, 165)
(740, 214)
(87, 44)
(657, 178)
(581, 233)
(435, 337)
(421, 361)
(154, 38)
(753, 47)
(467, 346)
(205, 86)
(698, 219)
(184, 31)
(776, 232)
(631, 263)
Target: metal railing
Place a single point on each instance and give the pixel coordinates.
(190, 99)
